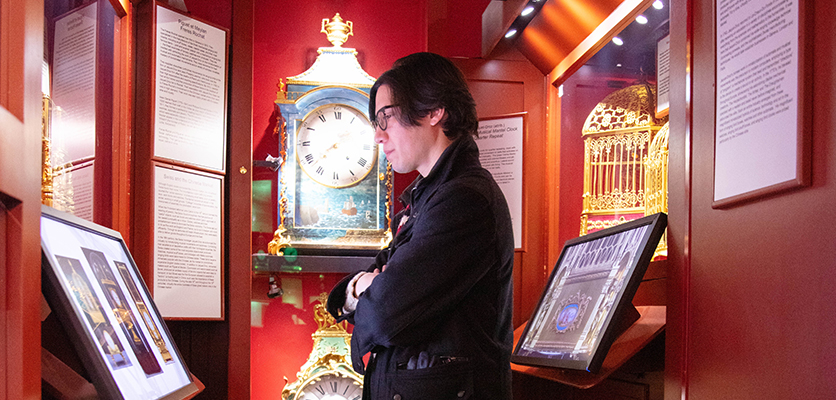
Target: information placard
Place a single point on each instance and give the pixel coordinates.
(190, 91)
(73, 135)
(663, 76)
(188, 243)
(760, 138)
(500, 144)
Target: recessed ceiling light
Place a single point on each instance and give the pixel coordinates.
(618, 65)
(617, 40)
(641, 19)
(658, 4)
(511, 33)
(527, 10)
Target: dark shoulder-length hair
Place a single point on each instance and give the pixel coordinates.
(423, 82)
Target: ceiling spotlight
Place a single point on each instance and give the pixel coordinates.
(658, 4)
(511, 33)
(618, 65)
(641, 19)
(617, 40)
(527, 10)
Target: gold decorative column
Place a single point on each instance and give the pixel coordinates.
(656, 178)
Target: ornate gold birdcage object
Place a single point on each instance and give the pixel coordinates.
(617, 136)
(656, 173)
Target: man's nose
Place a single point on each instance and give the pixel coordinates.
(379, 135)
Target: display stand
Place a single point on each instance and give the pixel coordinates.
(61, 381)
(64, 383)
(651, 322)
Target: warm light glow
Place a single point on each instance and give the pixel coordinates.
(45, 78)
(598, 35)
(617, 40)
(641, 19)
(511, 33)
(658, 4)
(526, 11)
(542, 43)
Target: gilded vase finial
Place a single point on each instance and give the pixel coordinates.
(336, 30)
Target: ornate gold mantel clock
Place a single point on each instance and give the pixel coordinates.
(334, 181)
(327, 373)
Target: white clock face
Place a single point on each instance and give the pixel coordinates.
(335, 145)
(331, 387)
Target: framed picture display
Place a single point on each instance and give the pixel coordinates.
(92, 283)
(763, 76)
(501, 140)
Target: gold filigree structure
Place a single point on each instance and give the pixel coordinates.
(656, 172)
(388, 177)
(46, 164)
(617, 134)
(280, 239)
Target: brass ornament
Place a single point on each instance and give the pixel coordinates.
(279, 242)
(280, 238)
(331, 354)
(46, 164)
(336, 30)
(388, 178)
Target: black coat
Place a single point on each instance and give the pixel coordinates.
(446, 290)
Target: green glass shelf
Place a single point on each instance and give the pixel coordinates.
(267, 263)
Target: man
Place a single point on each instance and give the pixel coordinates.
(434, 310)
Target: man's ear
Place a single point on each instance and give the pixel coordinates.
(437, 116)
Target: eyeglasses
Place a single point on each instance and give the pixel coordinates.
(381, 119)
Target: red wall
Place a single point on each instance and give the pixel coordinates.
(751, 311)
(581, 93)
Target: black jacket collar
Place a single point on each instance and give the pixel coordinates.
(459, 154)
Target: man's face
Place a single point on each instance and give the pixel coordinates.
(408, 148)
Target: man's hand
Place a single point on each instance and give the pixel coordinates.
(366, 280)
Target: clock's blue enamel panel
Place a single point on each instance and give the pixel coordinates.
(319, 216)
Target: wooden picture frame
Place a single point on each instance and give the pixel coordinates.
(501, 141)
(763, 103)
